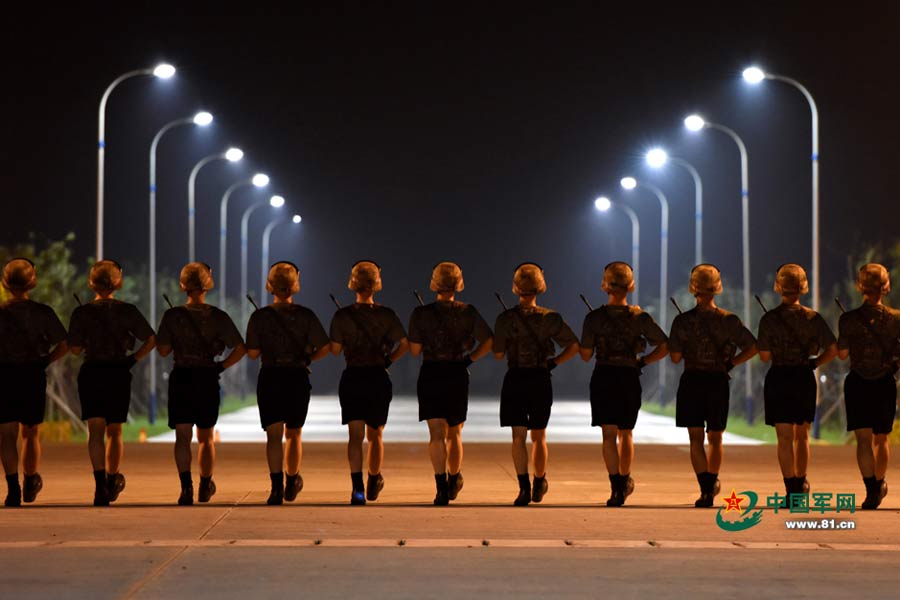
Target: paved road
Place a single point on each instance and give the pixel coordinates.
(570, 423)
(402, 547)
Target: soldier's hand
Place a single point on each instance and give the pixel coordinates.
(219, 367)
(552, 364)
(813, 365)
(130, 361)
(387, 361)
(642, 362)
(729, 366)
(467, 361)
(895, 366)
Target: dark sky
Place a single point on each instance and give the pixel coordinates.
(411, 136)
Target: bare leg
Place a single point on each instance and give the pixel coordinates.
(519, 450)
(801, 449)
(96, 443)
(786, 460)
(882, 453)
(184, 433)
(437, 444)
(31, 450)
(274, 449)
(376, 449)
(698, 453)
(206, 456)
(114, 447)
(454, 448)
(9, 439)
(293, 449)
(539, 450)
(357, 433)
(610, 450)
(715, 451)
(865, 455)
(626, 451)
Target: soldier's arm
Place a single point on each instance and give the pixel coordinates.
(674, 345)
(586, 345)
(568, 352)
(59, 351)
(401, 349)
(827, 355)
(843, 343)
(320, 353)
(659, 352)
(146, 348)
(234, 357)
(656, 337)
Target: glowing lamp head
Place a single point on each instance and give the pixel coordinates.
(260, 180)
(629, 183)
(694, 123)
(296, 219)
(657, 157)
(753, 75)
(164, 71)
(234, 154)
(602, 204)
(203, 118)
(276, 201)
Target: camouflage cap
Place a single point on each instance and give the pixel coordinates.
(447, 277)
(705, 279)
(365, 277)
(106, 276)
(617, 277)
(196, 277)
(19, 275)
(790, 280)
(873, 279)
(283, 280)
(528, 280)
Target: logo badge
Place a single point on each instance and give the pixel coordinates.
(738, 513)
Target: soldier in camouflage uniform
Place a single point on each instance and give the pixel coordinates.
(105, 330)
(797, 341)
(525, 335)
(372, 338)
(707, 338)
(446, 332)
(868, 336)
(289, 338)
(31, 338)
(198, 333)
(618, 335)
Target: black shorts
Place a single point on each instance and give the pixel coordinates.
(526, 398)
(790, 395)
(443, 390)
(702, 400)
(194, 396)
(24, 394)
(283, 395)
(871, 403)
(615, 396)
(104, 390)
(365, 394)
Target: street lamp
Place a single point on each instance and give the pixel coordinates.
(630, 183)
(657, 158)
(231, 155)
(201, 119)
(755, 75)
(696, 123)
(260, 180)
(264, 264)
(274, 202)
(603, 204)
(161, 71)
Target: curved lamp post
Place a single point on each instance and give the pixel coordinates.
(264, 264)
(232, 155)
(603, 204)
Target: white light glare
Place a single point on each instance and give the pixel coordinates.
(694, 123)
(629, 183)
(260, 180)
(753, 75)
(164, 71)
(203, 118)
(602, 204)
(657, 158)
(296, 219)
(276, 201)
(822, 378)
(234, 154)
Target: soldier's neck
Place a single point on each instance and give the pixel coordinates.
(528, 301)
(19, 296)
(617, 300)
(446, 297)
(103, 295)
(286, 300)
(196, 299)
(790, 300)
(365, 299)
(707, 303)
(872, 300)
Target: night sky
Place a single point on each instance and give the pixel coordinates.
(410, 137)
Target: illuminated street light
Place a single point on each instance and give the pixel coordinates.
(276, 201)
(753, 75)
(259, 180)
(264, 265)
(603, 204)
(203, 118)
(162, 71)
(657, 158)
(629, 183)
(694, 123)
(296, 219)
(234, 154)
(231, 155)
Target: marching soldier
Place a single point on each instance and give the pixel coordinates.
(868, 336)
(619, 334)
(447, 332)
(31, 338)
(289, 338)
(707, 338)
(197, 333)
(525, 335)
(797, 341)
(372, 338)
(105, 331)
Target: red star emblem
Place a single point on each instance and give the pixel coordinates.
(733, 502)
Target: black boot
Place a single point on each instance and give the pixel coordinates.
(707, 483)
(276, 496)
(358, 491)
(101, 497)
(456, 485)
(374, 487)
(207, 489)
(616, 498)
(115, 484)
(442, 498)
(802, 485)
(524, 496)
(627, 485)
(13, 491)
(293, 487)
(33, 485)
(873, 493)
(539, 488)
(187, 489)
